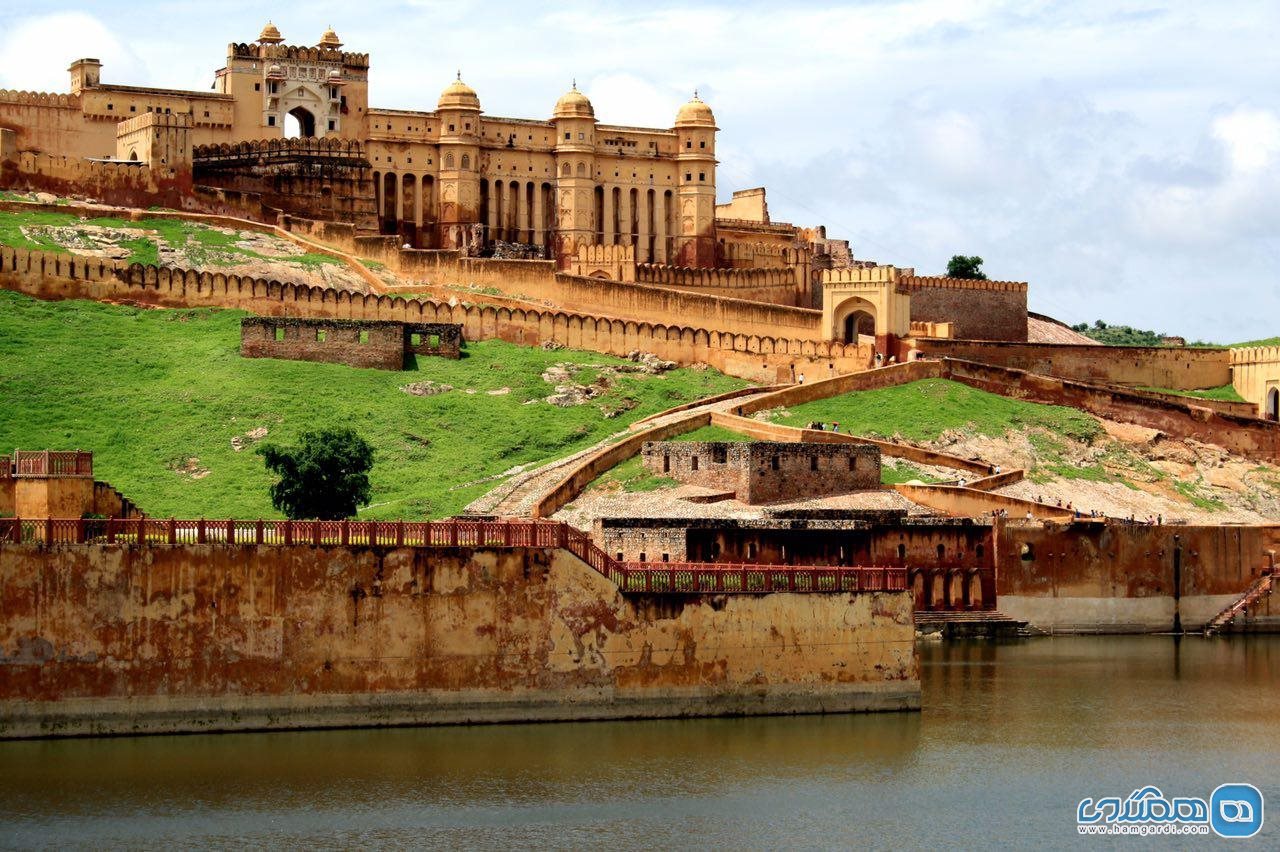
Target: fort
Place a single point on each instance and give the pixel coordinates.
(785, 572)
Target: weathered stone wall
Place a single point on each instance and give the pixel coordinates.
(1176, 368)
(1117, 578)
(148, 639)
(1255, 373)
(977, 310)
(767, 471)
(379, 345)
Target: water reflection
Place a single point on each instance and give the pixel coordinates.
(1012, 735)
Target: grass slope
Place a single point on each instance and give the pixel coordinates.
(147, 390)
(1226, 393)
(923, 410)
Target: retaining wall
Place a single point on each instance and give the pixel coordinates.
(110, 639)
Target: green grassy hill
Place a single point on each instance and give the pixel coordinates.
(158, 395)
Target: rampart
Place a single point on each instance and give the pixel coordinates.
(1247, 436)
(1119, 578)
(1176, 368)
(156, 638)
(774, 286)
(976, 310)
(767, 471)
(761, 358)
(1255, 373)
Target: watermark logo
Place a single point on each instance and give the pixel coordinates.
(1232, 810)
(1235, 810)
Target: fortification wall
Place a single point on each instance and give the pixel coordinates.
(759, 358)
(977, 310)
(774, 286)
(1117, 578)
(1177, 368)
(374, 345)
(164, 638)
(1250, 437)
(122, 184)
(1255, 372)
(46, 121)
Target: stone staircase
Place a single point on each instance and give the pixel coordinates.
(1260, 587)
(990, 624)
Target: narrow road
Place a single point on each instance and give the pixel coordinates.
(516, 497)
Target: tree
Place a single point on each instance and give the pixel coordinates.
(960, 266)
(324, 477)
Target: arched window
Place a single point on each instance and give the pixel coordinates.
(466, 161)
(567, 170)
(582, 169)
(448, 161)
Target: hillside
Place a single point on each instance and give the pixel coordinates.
(160, 395)
(1070, 458)
(177, 243)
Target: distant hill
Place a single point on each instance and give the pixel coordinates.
(1266, 341)
(1127, 335)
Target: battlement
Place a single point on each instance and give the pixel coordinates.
(1255, 355)
(297, 53)
(610, 262)
(688, 276)
(868, 275)
(43, 99)
(153, 119)
(310, 146)
(919, 282)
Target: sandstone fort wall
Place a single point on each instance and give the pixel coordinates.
(160, 638)
(1177, 368)
(760, 358)
(976, 310)
(1116, 578)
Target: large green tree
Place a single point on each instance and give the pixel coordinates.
(326, 476)
(960, 266)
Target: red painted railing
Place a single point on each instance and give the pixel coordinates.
(50, 463)
(637, 577)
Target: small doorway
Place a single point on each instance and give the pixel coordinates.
(1272, 411)
(858, 322)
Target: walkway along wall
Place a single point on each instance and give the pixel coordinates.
(760, 358)
(1118, 578)
(108, 639)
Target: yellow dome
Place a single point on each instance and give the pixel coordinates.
(459, 96)
(330, 40)
(270, 35)
(695, 112)
(573, 104)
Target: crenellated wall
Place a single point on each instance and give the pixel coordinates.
(758, 357)
(976, 310)
(1255, 373)
(775, 286)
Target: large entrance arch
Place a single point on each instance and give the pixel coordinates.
(859, 323)
(299, 122)
(1271, 411)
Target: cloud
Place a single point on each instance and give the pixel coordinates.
(35, 52)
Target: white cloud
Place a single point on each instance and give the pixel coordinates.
(35, 52)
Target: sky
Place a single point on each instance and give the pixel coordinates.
(1121, 157)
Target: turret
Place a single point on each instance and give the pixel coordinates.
(695, 243)
(458, 112)
(575, 123)
(84, 74)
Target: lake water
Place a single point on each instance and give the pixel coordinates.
(1012, 736)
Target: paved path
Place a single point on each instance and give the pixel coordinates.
(516, 497)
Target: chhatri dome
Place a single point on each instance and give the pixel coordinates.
(573, 104)
(270, 35)
(459, 96)
(329, 40)
(695, 112)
